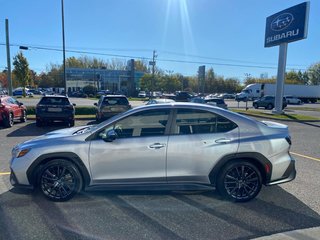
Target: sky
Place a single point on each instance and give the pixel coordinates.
(226, 35)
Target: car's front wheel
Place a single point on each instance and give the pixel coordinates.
(239, 181)
(60, 180)
(255, 105)
(8, 122)
(269, 106)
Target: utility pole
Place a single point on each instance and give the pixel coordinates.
(64, 51)
(153, 63)
(8, 58)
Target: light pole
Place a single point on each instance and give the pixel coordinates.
(64, 50)
(8, 59)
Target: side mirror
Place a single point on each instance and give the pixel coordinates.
(20, 104)
(73, 104)
(110, 136)
(96, 104)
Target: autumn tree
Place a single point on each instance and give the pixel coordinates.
(21, 70)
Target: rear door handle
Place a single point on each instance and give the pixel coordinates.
(223, 140)
(157, 145)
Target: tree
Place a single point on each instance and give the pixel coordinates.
(314, 74)
(21, 70)
(3, 79)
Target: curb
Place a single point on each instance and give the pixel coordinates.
(309, 233)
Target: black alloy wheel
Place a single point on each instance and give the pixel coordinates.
(255, 105)
(60, 180)
(239, 181)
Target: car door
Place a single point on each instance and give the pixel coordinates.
(138, 154)
(199, 139)
(15, 107)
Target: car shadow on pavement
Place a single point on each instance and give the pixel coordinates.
(151, 215)
(32, 130)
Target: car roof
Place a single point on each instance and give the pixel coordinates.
(55, 96)
(114, 96)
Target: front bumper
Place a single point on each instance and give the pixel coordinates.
(15, 183)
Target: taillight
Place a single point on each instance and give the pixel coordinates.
(69, 107)
(288, 138)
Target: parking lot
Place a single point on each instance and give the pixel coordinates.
(162, 215)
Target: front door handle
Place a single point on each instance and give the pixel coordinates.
(157, 145)
(223, 140)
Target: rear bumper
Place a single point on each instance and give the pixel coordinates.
(55, 116)
(288, 175)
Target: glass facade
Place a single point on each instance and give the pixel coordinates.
(103, 79)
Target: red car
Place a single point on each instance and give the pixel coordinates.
(10, 110)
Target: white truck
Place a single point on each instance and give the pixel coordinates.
(307, 93)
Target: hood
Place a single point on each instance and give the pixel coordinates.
(61, 133)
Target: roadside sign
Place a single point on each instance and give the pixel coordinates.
(288, 25)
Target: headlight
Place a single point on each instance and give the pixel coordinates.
(17, 153)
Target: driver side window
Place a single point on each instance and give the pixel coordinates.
(148, 123)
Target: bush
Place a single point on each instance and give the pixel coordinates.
(79, 110)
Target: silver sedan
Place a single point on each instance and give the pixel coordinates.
(162, 146)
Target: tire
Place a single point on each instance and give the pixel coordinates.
(38, 123)
(8, 122)
(59, 180)
(71, 123)
(24, 116)
(269, 106)
(239, 181)
(255, 105)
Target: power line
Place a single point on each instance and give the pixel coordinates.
(148, 58)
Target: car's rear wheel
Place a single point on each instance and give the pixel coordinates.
(71, 123)
(239, 181)
(269, 106)
(60, 180)
(38, 123)
(24, 116)
(8, 122)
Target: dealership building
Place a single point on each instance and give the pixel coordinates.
(126, 81)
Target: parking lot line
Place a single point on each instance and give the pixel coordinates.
(304, 156)
(4, 173)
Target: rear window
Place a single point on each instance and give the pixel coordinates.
(218, 101)
(54, 101)
(115, 101)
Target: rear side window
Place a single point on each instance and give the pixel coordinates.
(191, 121)
(115, 101)
(54, 101)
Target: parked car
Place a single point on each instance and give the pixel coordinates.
(55, 108)
(267, 102)
(142, 94)
(11, 110)
(160, 100)
(292, 100)
(166, 146)
(219, 102)
(182, 96)
(110, 105)
(19, 93)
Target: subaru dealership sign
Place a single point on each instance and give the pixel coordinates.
(288, 25)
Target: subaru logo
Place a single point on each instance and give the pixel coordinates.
(282, 21)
